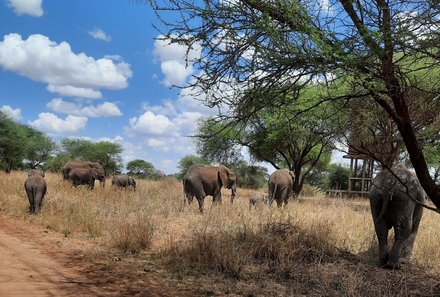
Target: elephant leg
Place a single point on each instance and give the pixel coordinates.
(279, 202)
(188, 198)
(401, 234)
(37, 201)
(409, 244)
(201, 201)
(217, 198)
(382, 237)
(31, 199)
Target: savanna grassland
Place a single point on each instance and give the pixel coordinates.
(316, 246)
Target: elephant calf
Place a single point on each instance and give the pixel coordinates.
(258, 199)
(36, 187)
(392, 206)
(123, 181)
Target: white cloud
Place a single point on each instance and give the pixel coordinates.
(172, 58)
(151, 124)
(75, 92)
(175, 72)
(40, 59)
(30, 7)
(51, 124)
(106, 109)
(14, 114)
(97, 33)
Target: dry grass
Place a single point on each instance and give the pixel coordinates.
(314, 246)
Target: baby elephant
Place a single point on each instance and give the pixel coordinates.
(35, 186)
(123, 181)
(258, 199)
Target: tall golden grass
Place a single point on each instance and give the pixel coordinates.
(290, 245)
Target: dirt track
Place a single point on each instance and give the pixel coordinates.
(39, 262)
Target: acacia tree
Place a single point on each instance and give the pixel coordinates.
(301, 144)
(369, 45)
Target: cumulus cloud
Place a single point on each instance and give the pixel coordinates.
(14, 114)
(51, 124)
(66, 73)
(30, 7)
(97, 33)
(172, 60)
(106, 109)
(151, 124)
(75, 92)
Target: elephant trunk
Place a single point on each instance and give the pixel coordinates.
(233, 193)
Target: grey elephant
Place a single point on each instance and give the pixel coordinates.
(392, 207)
(123, 181)
(280, 186)
(85, 176)
(258, 199)
(70, 165)
(36, 187)
(202, 181)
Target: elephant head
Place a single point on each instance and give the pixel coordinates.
(228, 180)
(97, 174)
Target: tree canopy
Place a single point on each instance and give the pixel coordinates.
(378, 51)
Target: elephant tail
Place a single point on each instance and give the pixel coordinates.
(274, 194)
(386, 199)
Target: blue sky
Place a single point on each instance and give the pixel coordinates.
(94, 69)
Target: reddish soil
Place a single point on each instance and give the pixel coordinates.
(40, 262)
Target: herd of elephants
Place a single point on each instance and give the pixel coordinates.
(396, 197)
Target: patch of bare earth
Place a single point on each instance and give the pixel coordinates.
(39, 262)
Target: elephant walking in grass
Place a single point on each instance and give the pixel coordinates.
(36, 187)
(123, 181)
(393, 204)
(280, 186)
(85, 176)
(70, 165)
(203, 181)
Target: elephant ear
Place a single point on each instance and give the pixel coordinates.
(223, 174)
(292, 174)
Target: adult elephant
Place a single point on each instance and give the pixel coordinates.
(85, 176)
(36, 187)
(280, 186)
(123, 181)
(393, 204)
(70, 165)
(202, 181)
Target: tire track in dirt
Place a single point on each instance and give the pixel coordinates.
(26, 270)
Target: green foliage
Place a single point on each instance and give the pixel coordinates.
(143, 169)
(103, 152)
(39, 148)
(337, 177)
(12, 143)
(188, 161)
(217, 142)
(250, 176)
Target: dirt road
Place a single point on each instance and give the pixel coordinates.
(39, 262)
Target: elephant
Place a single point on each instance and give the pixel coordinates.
(85, 176)
(202, 181)
(280, 186)
(123, 181)
(392, 206)
(82, 164)
(36, 187)
(257, 199)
